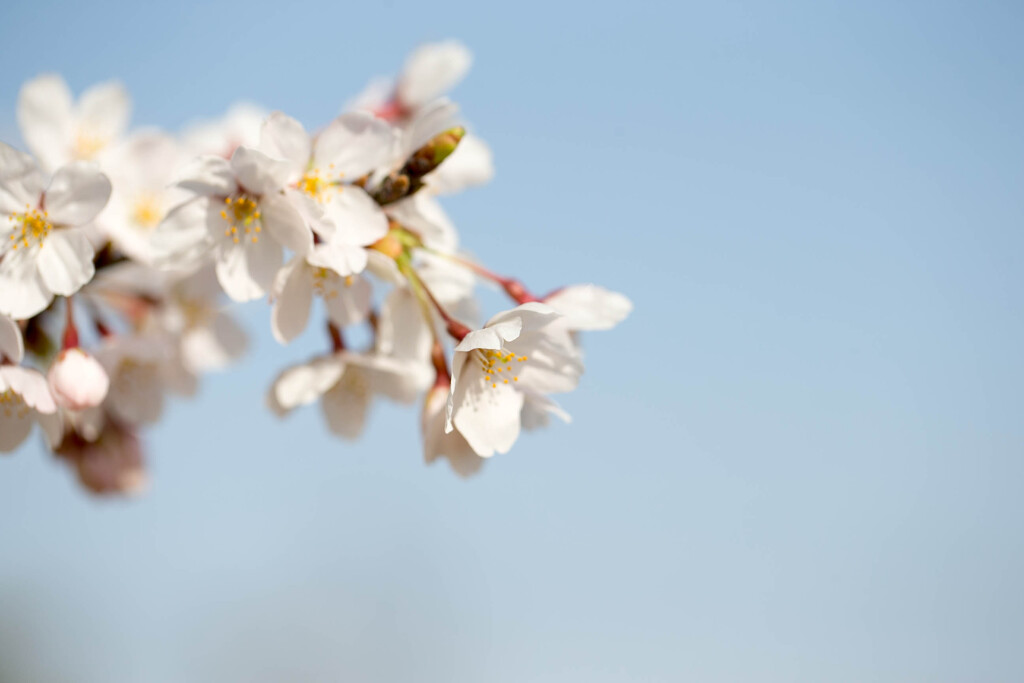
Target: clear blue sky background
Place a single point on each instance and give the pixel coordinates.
(800, 458)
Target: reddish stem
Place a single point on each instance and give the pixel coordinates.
(337, 341)
(70, 340)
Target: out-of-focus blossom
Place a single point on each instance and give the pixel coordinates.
(59, 130)
(42, 251)
(25, 400)
(238, 127)
(345, 383)
(142, 370)
(346, 299)
(141, 170)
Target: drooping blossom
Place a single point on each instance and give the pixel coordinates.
(522, 353)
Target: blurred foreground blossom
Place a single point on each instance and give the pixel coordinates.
(119, 249)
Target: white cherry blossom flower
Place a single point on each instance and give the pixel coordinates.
(238, 127)
(141, 169)
(77, 380)
(58, 130)
(25, 400)
(346, 383)
(352, 146)
(522, 352)
(240, 213)
(43, 251)
(142, 370)
(346, 299)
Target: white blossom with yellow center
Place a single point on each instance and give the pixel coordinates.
(238, 210)
(142, 170)
(42, 253)
(59, 130)
(519, 354)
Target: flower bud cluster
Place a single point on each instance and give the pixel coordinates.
(119, 250)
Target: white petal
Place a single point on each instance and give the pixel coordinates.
(65, 261)
(347, 304)
(486, 413)
(258, 173)
(537, 410)
(77, 194)
(207, 175)
(31, 386)
(401, 330)
(21, 181)
(302, 384)
(432, 120)
(213, 346)
(431, 71)
(282, 137)
(104, 110)
(493, 336)
(246, 270)
(452, 446)
(45, 118)
(11, 344)
(356, 143)
(285, 224)
(53, 428)
(589, 307)
(358, 219)
(345, 408)
(423, 214)
(293, 298)
(183, 236)
(22, 291)
(341, 258)
(15, 426)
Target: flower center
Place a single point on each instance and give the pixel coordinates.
(323, 283)
(30, 228)
(243, 216)
(146, 212)
(497, 365)
(318, 186)
(12, 405)
(87, 146)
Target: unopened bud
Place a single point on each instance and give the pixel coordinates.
(392, 188)
(77, 380)
(429, 156)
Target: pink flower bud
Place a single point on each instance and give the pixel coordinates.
(77, 380)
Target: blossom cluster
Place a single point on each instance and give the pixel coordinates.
(119, 251)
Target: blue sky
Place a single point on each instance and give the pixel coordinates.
(799, 459)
